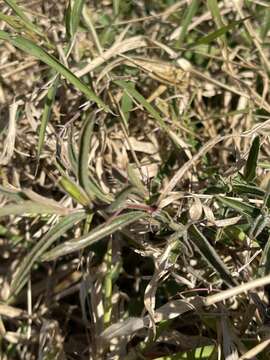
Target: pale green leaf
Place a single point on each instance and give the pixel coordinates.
(95, 235)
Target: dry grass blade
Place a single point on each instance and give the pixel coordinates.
(168, 311)
(11, 312)
(227, 294)
(256, 350)
(9, 143)
(137, 158)
(118, 48)
(161, 269)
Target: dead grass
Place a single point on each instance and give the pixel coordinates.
(134, 179)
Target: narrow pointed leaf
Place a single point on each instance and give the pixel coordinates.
(74, 190)
(120, 199)
(34, 50)
(239, 206)
(46, 114)
(241, 188)
(218, 33)
(98, 233)
(213, 7)
(210, 255)
(41, 246)
(251, 164)
(72, 153)
(74, 18)
(135, 180)
(264, 268)
(31, 207)
(187, 19)
(90, 187)
(132, 92)
(74, 12)
(24, 19)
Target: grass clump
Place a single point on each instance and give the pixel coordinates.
(134, 180)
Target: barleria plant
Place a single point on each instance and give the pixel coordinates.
(134, 180)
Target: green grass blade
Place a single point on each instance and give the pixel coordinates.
(92, 189)
(126, 106)
(251, 164)
(254, 191)
(239, 206)
(264, 268)
(46, 115)
(34, 50)
(31, 207)
(72, 152)
(132, 92)
(73, 16)
(70, 187)
(120, 199)
(74, 191)
(187, 18)
(210, 254)
(98, 233)
(12, 21)
(135, 180)
(218, 33)
(213, 7)
(24, 19)
(266, 26)
(40, 247)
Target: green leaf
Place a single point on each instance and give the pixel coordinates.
(90, 187)
(50, 98)
(209, 253)
(132, 92)
(34, 50)
(74, 190)
(40, 247)
(73, 21)
(241, 188)
(239, 206)
(73, 16)
(187, 18)
(251, 164)
(120, 199)
(218, 33)
(135, 180)
(70, 187)
(126, 106)
(12, 21)
(264, 268)
(31, 207)
(24, 19)
(213, 7)
(264, 29)
(200, 353)
(72, 153)
(96, 234)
